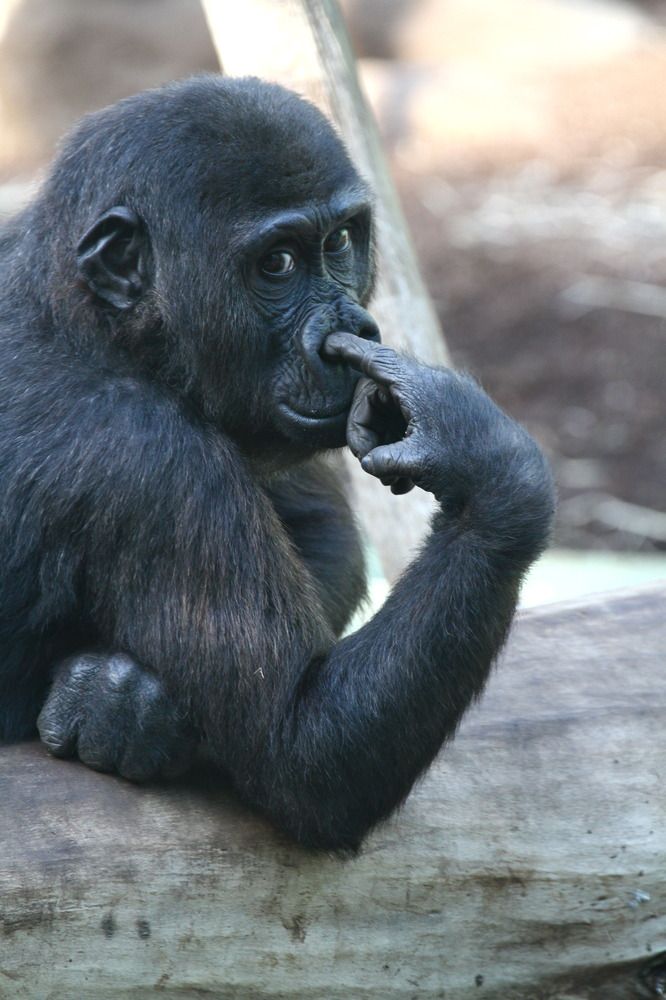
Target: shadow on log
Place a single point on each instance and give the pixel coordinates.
(530, 864)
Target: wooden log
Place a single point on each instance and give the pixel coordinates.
(303, 45)
(528, 865)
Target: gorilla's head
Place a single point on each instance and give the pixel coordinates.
(212, 233)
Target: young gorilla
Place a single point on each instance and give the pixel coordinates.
(182, 330)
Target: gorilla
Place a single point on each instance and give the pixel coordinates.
(184, 336)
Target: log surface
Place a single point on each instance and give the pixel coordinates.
(530, 864)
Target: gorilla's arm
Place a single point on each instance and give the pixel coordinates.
(312, 506)
(326, 738)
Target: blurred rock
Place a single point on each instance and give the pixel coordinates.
(452, 119)
(61, 58)
(565, 82)
(517, 34)
(375, 27)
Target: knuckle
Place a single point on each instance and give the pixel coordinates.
(71, 678)
(78, 671)
(54, 726)
(380, 357)
(150, 689)
(150, 706)
(383, 354)
(119, 673)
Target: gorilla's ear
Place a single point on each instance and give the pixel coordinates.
(111, 258)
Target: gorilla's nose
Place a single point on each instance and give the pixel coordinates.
(352, 320)
(360, 323)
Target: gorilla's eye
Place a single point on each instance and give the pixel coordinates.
(278, 262)
(339, 241)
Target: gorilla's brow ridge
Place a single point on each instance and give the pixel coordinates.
(312, 218)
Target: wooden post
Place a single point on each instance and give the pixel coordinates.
(528, 865)
(303, 45)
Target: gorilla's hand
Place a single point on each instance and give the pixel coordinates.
(410, 424)
(116, 717)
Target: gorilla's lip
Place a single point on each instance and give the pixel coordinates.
(315, 419)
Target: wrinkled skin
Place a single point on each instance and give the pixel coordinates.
(185, 329)
(115, 717)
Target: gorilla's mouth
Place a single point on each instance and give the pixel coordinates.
(317, 419)
(315, 428)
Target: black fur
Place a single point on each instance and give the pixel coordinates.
(169, 541)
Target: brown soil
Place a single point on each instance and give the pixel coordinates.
(542, 289)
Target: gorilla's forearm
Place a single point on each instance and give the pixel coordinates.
(368, 718)
(372, 716)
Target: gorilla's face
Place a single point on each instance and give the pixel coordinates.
(244, 238)
(307, 275)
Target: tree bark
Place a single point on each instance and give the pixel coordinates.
(528, 865)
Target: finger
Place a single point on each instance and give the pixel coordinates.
(140, 762)
(387, 462)
(58, 726)
(159, 746)
(399, 485)
(379, 362)
(97, 750)
(402, 486)
(59, 721)
(362, 427)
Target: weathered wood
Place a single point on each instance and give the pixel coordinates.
(528, 865)
(303, 45)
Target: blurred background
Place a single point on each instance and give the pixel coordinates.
(527, 139)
